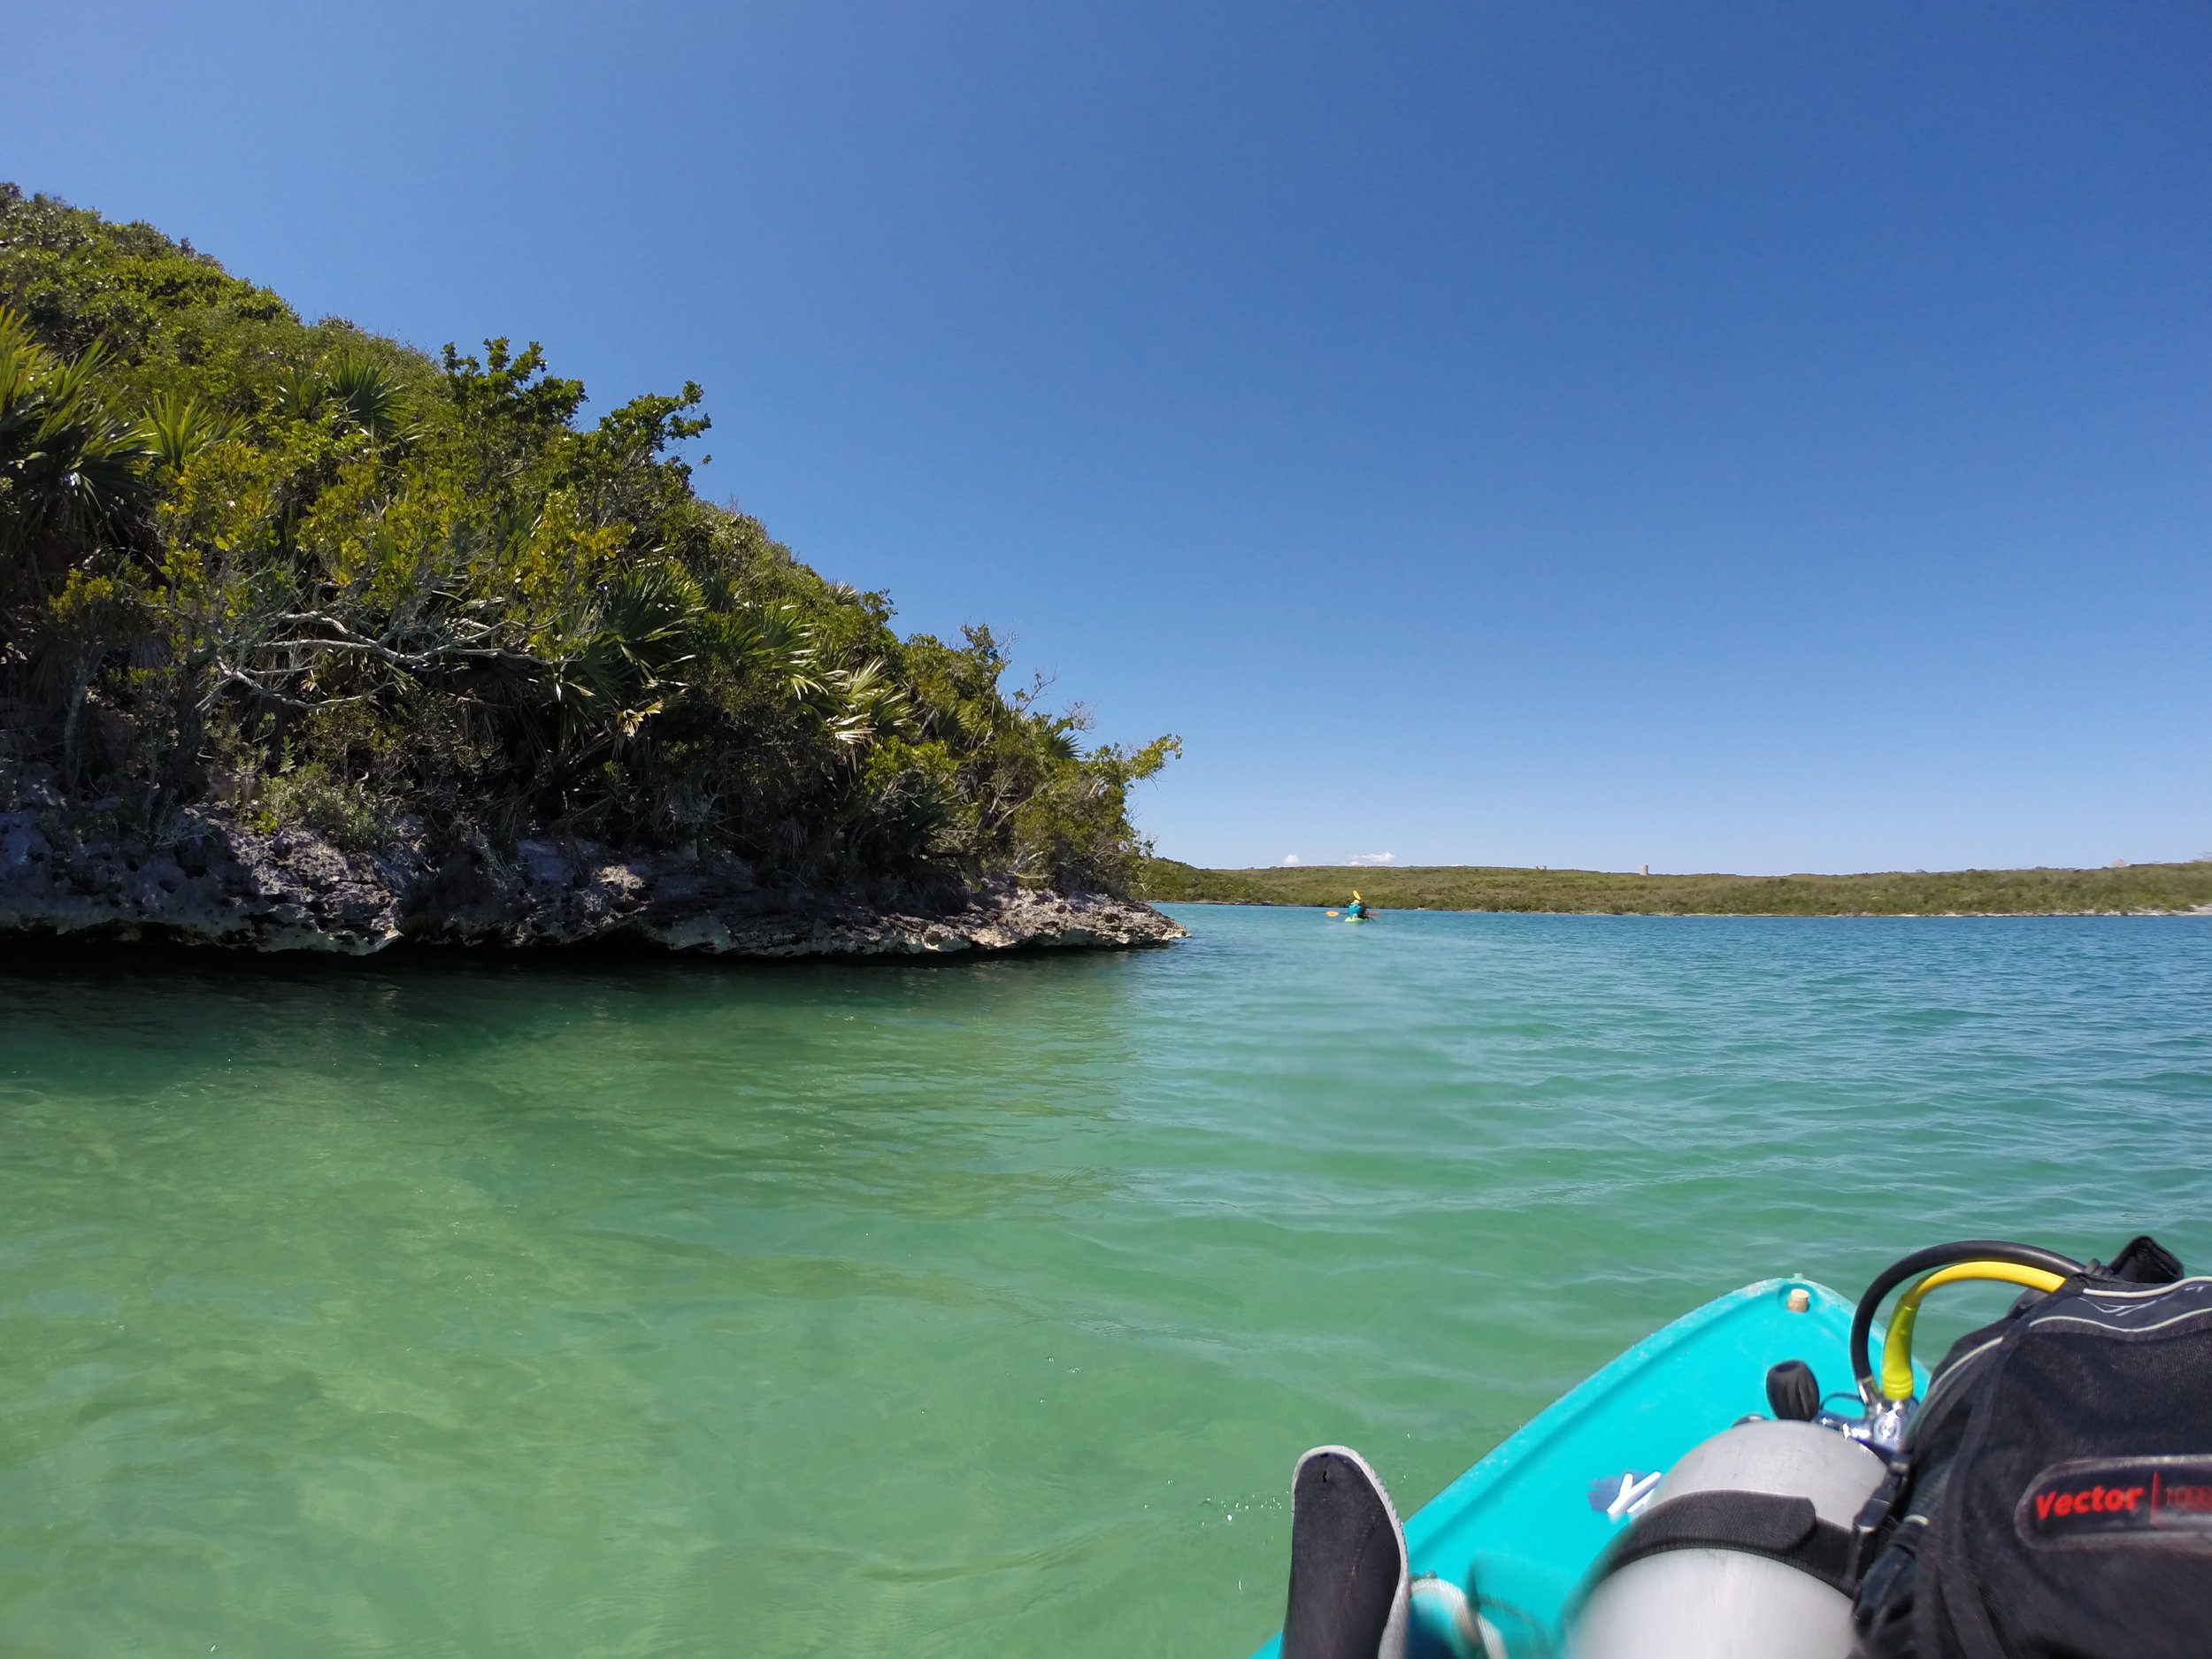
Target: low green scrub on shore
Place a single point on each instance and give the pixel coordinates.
(309, 574)
(1892, 893)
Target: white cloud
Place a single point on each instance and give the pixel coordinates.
(1290, 858)
(1372, 858)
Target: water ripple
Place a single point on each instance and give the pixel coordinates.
(503, 1307)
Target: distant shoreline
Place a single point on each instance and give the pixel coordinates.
(2175, 889)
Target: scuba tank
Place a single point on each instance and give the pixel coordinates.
(1757, 1544)
(1744, 1552)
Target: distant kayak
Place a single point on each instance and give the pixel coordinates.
(1338, 916)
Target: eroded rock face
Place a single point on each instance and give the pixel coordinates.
(214, 881)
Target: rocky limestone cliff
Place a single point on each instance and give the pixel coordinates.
(210, 879)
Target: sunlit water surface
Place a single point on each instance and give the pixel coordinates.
(499, 1307)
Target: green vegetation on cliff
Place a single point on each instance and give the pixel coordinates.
(1471, 888)
(306, 573)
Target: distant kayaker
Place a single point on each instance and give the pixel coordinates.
(1357, 909)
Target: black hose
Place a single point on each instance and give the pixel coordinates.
(1941, 1256)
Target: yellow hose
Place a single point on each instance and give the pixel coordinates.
(1897, 1345)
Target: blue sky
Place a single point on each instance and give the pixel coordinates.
(1744, 436)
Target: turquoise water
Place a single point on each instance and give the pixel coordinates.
(492, 1306)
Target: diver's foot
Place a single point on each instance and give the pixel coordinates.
(1347, 1561)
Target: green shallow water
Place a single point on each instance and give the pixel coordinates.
(490, 1307)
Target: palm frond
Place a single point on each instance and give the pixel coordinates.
(68, 466)
(300, 392)
(177, 427)
(367, 395)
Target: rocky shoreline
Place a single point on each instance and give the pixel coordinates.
(210, 879)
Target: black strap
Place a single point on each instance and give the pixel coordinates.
(1788, 1529)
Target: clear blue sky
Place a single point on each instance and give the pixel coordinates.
(1758, 436)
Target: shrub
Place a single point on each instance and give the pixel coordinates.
(351, 582)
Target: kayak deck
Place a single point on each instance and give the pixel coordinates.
(1527, 1520)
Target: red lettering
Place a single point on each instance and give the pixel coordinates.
(2199, 1498)
(2157, 1502)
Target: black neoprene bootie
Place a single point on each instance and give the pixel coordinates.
(1348, 1585)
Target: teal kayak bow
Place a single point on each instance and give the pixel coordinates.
(1524, 1525)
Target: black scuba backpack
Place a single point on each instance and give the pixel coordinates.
(2054, 1496)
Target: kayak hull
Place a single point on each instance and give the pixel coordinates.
(1527, 1522)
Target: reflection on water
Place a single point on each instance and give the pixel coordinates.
(505, 1306)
